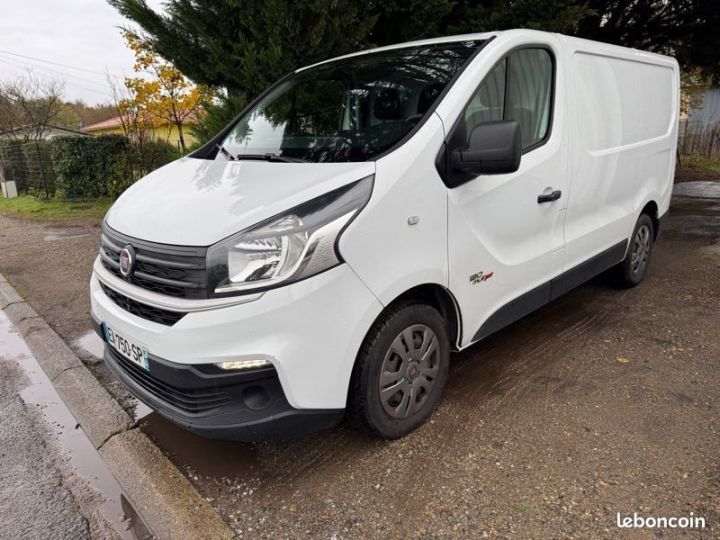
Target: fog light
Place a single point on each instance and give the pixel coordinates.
(244, 364)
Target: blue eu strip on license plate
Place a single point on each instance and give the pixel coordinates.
(127, 348)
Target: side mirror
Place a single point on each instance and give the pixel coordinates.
(493, 148)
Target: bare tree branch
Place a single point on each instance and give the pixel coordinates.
(28, 104)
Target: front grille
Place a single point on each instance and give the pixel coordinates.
(189, 401)
(177, 271)
(144, 311)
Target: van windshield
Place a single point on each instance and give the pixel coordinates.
(348, 110)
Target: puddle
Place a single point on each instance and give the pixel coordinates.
(706, 190)
(74, 445)
(205, 457)
(65, 233)
(694, 212)
(91, 343)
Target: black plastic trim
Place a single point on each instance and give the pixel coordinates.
(144, 311)
(550, 290)
(174, 270)
(581, 273)
(210, 149)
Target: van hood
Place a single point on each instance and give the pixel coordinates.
(197, 202)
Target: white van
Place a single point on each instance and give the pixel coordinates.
(368, 215)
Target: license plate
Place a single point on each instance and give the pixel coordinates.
(127, 348)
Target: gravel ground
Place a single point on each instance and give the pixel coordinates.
(604, 401)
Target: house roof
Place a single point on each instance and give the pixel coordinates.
(47, 127)
(105, 124)
(116, 122)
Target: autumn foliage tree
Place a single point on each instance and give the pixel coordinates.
(159, 94)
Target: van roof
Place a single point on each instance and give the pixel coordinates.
(444, 39)
(617, 49)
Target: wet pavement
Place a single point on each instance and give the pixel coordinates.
(54, 483)
(604, 401)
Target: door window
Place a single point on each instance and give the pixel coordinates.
(518, 88)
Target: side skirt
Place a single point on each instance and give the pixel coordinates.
(539, 296)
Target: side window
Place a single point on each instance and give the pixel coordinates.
(488, 103)
(518, 88)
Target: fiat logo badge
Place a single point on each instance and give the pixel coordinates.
(127, 261)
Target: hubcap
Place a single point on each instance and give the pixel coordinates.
(409, 371)
(640, 250)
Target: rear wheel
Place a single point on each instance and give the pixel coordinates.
(631, 270)
(401, 371)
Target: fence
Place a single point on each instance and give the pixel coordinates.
(699, 138)
(80, 167)
(30, 166)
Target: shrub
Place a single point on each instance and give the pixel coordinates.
(141, 159)
(89, 167)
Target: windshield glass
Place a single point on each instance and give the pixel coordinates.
(348, 110)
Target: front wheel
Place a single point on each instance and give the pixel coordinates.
(401, 371)
(632, 269)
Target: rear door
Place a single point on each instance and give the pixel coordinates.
(504, 246)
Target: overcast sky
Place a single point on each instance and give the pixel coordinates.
(74, 33)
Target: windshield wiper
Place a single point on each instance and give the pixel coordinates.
(271, 157)
(224, 152)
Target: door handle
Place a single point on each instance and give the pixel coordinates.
(549, 196)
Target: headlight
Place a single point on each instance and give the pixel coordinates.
(290, 246)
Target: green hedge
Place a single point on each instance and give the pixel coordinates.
(104, 166)
(89, 167)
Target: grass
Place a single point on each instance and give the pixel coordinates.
(695, 167)
(31, 207)
(699, 162)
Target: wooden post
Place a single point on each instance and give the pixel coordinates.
(42, 171)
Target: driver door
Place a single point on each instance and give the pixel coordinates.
(504, 244)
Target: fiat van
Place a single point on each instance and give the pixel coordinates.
(366, 216)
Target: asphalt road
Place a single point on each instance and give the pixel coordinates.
(34, 500)
(53, 483)
(604, 401)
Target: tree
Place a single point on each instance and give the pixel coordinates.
(29, 103)
(686, 29)
(78, 114)
(241, 46)
(167, 96)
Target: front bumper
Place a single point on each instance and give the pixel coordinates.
(310, 331)
(242, 406)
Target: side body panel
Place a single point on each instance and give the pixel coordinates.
(624, 117)
(388, 253)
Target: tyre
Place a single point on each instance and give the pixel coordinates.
(632, 269)
(401, 370)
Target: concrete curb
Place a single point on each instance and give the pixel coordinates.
(164, 497)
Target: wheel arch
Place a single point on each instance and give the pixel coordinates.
(441, 299)
(652, 210)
